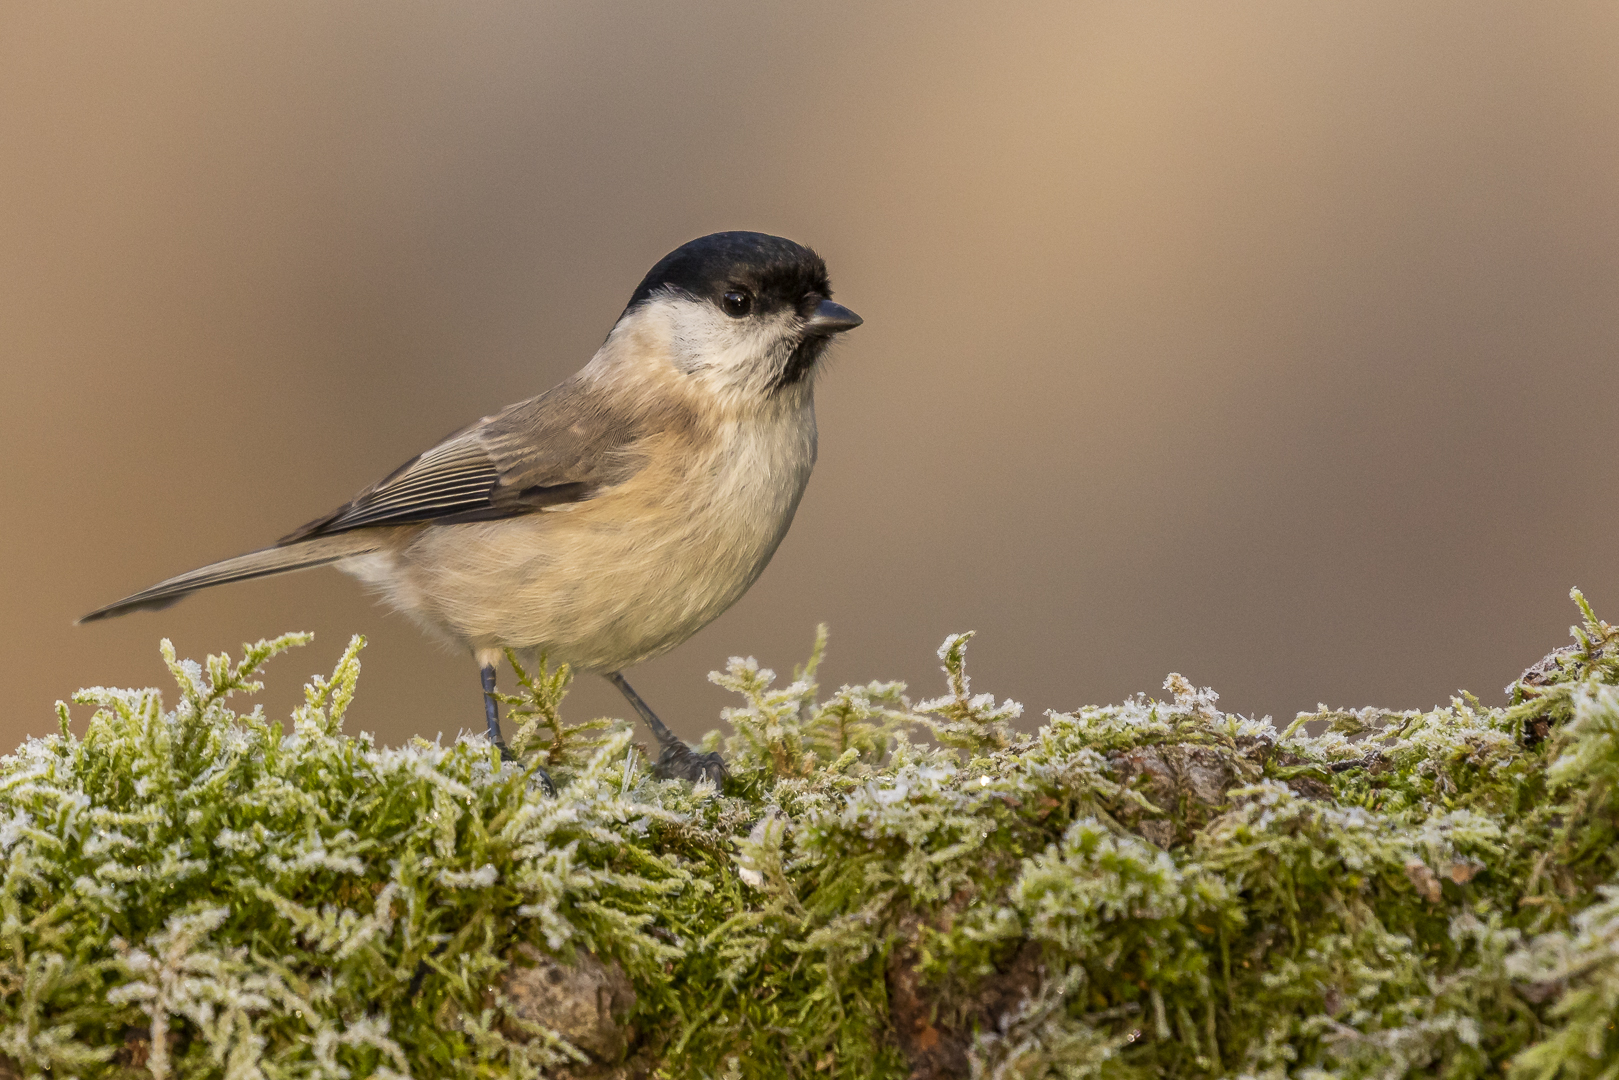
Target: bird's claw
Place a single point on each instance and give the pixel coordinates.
(540, 774)
(545, 781)
(677, 761)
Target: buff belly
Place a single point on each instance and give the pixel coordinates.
(613, 580)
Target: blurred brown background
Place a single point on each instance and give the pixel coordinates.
(1272, 343)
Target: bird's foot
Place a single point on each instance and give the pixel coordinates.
(676, 760)
(539, 774)
(491, 716)
(545, 780)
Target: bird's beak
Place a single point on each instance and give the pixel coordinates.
(829, 319)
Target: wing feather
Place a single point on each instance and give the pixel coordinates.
(560, 447)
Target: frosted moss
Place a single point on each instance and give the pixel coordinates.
(1145, 890)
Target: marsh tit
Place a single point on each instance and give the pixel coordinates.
(612, 517)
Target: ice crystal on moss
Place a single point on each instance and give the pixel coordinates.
(1155, 888)
(960, 719)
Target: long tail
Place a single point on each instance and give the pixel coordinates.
(272, 560)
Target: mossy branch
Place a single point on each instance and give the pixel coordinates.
(1150, 889)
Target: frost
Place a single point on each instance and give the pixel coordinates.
(481, 878)
(242, 898)
(883, 887)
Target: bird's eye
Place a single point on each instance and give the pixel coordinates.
(737, 303)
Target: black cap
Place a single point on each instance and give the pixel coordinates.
(776, 271)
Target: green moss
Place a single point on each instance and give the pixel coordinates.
(1150, 889)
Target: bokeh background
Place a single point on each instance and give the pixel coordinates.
(1271, 343)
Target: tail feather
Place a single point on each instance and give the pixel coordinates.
(272, 560)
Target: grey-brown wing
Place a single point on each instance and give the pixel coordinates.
(563, 446)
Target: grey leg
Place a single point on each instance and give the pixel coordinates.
(676, 760)
(491, 711)
(491, 715)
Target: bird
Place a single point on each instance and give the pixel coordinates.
(610, 518)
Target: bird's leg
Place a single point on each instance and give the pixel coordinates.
(491, 712)
(676, 760)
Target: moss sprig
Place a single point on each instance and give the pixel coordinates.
(1155, 888)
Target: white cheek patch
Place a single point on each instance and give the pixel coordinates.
(739, 353)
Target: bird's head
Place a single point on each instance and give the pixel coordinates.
(745, 314)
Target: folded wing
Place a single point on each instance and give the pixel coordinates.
(562, 447)
(558, 448)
